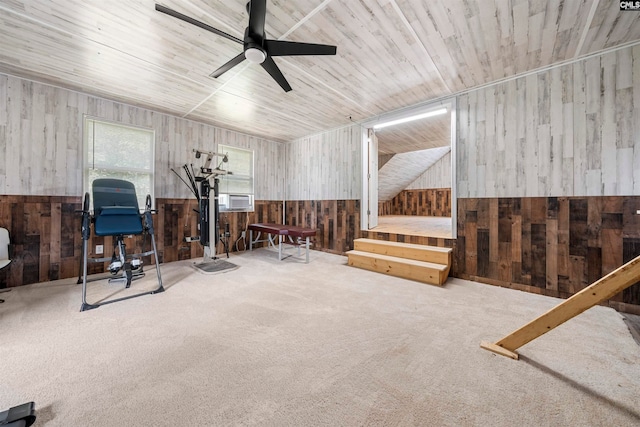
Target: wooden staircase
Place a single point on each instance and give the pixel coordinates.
(428, 264)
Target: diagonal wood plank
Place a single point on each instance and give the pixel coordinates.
(601, 290)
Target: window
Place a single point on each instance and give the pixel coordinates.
(236, 189)
(114, 150)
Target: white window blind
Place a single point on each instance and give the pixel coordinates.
(119, 151)
(240, 181)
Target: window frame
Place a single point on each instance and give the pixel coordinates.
(86, 185)
(223, 195)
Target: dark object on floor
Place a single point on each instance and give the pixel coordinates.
(3, 290)
(19, 416)
(633, 323)
(217, 266)
(5, 253)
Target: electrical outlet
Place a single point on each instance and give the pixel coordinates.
(638, 212)
(243, 234)
(99, 249)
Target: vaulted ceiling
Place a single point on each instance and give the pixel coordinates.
(404, 168)
(391, 53)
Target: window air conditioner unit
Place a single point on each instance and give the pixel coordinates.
(239, 202)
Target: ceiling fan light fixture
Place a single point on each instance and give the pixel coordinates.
(255, 55)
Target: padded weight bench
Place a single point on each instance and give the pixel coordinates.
(287, 234)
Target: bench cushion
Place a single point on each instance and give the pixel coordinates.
(283, 229)
(269, 228)
(301, 232)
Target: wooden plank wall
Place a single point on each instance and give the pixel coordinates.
(569, 131)
(41, 142)
(47, 244)
(384, 158)
(265, 211)
(45, 234)
(437, 176)
(41, 153)
(176, 220)
(548, 245)
(405, 168)
(431, 202)
(326, 166)
(37, 224)
(337, 222)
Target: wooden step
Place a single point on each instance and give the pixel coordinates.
(422, 271)
(404, 250)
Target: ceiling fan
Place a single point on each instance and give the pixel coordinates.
(257, 48)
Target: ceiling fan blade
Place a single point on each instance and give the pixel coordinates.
(229, 65)
(275, 72)
(284, 48)
(257, 13)
(192, 21)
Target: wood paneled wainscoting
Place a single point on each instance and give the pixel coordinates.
(337, 222)
(265, 211)
(47, 245)
(554, 246)
(428, 202)
(45, 238)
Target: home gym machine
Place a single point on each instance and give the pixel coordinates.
(199, 184)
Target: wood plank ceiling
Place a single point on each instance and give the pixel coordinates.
(391, 54)
(417, 135)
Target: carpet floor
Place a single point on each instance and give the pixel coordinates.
(279, 343)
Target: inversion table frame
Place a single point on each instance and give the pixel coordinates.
(117, 214)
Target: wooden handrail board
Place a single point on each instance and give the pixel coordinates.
(601, 290)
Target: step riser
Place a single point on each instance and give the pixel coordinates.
(416, 253)
(427, 264)
(398, 269)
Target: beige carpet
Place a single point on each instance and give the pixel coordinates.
(280, 343)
